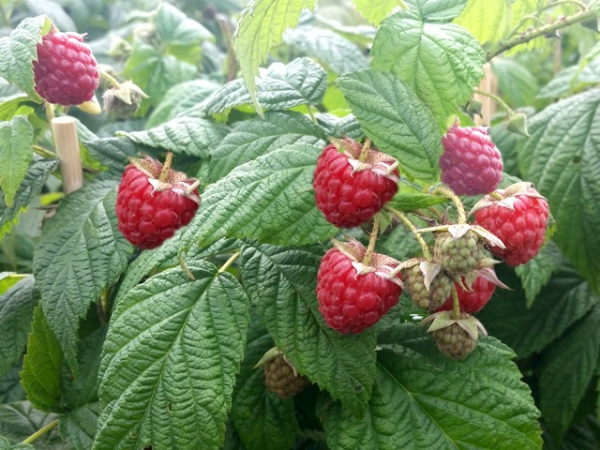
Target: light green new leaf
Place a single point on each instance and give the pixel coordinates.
(562, 158)
(196, 137)
(177, 29)
(488, 21)
(17, 152)
(422, 400)
(282, 284)
(537, 272)
(441, 63)
(397, 122)
(30, 187)
(566, 372)
(81, 252)
(282, 87)
(261, 27)
(16, 312)
(19, 50)
(376, 11)
(253, 138)
(41, 367)
(78, 427)
(170, 360)
(19, 420)
(437, 10)
(9, 279)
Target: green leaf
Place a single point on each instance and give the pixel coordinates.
(16, 312)
(282, 285)
(112, 152)
(29, 189)
(564, 300)
(562, 158)
(41, 367)
(170, 366)
(331, 49)
(187, 135)
(263, 420)
(488, 21)
(20, 420)
(81, 253)
(180, 97)
(375, 12)
(567, 369)
(10, 386)
(9, 279)
(55, 12)
(340, 127)
(437, 10)
(422, 400)
(282, 87)
(17, 139)
(537, 272)
(253, 138)
(19, 50)
(441, 63)
(261, 27)
(399, 244)
(411, 202)
(518, 87)
(19, 104)
(395, 120)
(78, 427)
(270, 198)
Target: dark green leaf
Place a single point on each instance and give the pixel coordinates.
(112, 152)
(536, 273)
(78, 427)
(20, 420)
(10, 386)
(17, 145)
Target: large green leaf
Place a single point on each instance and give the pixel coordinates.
(78, 427)
(20, 420)
(19, 50)
(196, 137)
(441, 63)
(17, 150)
(488, 21)
(41, 366)
(340, 127)
(566, 372)
(422, 400)
(16, 312)
(375, 12)
(81, 253)
(563, 301)
(170, 360)
(112, 152)
(537, 272)
(260, 27)
(10, 386)
(518, 86)
(282, 283)
(437, 10)
(282, 87)
(562, 158)
(253, 138)
(395, 120)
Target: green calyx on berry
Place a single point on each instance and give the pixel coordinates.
(123, 101)
(427, 284)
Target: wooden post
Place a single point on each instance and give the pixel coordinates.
(489, 83)
(67, 149)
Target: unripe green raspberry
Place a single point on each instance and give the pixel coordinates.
(439, 289)
(454, 342)
(282, 379)
(460, 255)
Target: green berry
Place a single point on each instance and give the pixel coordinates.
(460, 255)
(439, 289)
(454, 341)
(282, 379)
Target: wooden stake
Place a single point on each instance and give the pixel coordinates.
(489, 83)
(67, 149)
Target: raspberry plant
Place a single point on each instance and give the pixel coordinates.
(395, 330)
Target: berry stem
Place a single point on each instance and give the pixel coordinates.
(364, 153)
(415, 232)
(192, 187)
(462, 218)
(497, 99)
(164, 173)
(39, 433)
(455, 303)
(44, 153)
(112, 80)
(372, 240)
(229, 262)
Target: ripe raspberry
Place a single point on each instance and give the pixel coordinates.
(282, 378)
(150, 207)
(351, 301)
(474, 301)
(432, 298)
(65, 71)
(454, 341)
(460, 255)
(471, 164)
(519, 220)
(349, 192)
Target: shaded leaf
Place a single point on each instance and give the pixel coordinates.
(17, 139)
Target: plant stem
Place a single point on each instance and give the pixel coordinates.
(310, 113)
(41, 432)
(364, 153)
(44, 152)
(413, 229)
(497, 99)
(229, 262)
(527, 36)
(462, 218)
(372, 240)
(232, 64)
(112, 80)
(455, 303)
(164, 173)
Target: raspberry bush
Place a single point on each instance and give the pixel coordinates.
(278, 224)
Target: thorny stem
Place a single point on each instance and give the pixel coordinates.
(522, 38)
(497, 99)
(112, 80)
(166, 167)
(462, 218)
(364, 153)
(455, 303)
(415, 232)
(41, 432)
(372, 240)
(229, 262)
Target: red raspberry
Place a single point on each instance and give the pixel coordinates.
(151, 207)
(519, 220)
(351, 302)
(474, 301)
(471, 164)
(349, 192)
(65, 71)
